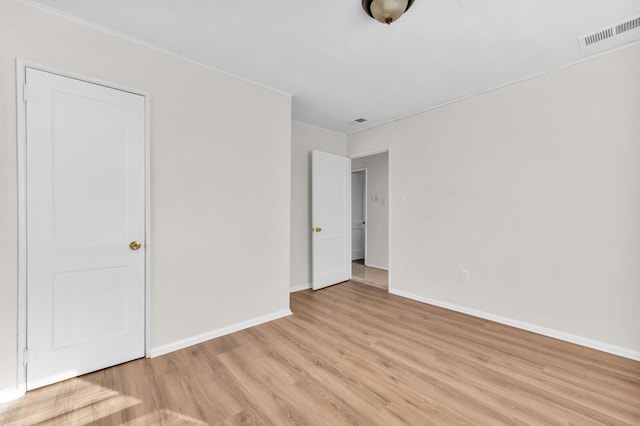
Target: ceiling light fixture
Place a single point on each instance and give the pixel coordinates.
(386, 11)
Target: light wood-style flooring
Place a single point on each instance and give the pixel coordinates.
(353, 354)
(372, 276)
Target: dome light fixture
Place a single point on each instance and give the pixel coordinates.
(386, 11)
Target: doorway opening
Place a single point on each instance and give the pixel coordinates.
(358, 214)
(370, 219)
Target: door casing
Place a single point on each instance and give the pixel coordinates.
(21, 66)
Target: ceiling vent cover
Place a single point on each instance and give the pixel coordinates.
(588, 40)
(627, 26)
(610, 32)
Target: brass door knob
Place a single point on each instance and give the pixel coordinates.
(318, 229)
(135, 245)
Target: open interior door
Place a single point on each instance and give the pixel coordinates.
(330, 218)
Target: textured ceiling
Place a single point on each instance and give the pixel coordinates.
(339, 64)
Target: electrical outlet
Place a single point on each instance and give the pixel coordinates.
(464, 276)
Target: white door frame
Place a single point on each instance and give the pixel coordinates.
(365, 208)
(21, 66)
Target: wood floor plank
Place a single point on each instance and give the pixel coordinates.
(353, 354)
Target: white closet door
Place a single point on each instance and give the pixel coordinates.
(85, 206)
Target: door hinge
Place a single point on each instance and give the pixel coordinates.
(29, 355)
(25, 93)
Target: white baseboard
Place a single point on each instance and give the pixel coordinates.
(10, 394)
(560, 335)
(194, 340)
(370, 265)
(300, 288)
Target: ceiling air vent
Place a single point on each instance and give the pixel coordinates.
(610, 32)
(588, 40)
(627, 26)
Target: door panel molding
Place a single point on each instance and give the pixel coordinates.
(21, 96)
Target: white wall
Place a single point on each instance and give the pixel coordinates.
(534, 188)
(377, 210)
(221, 169)
(305, 139)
